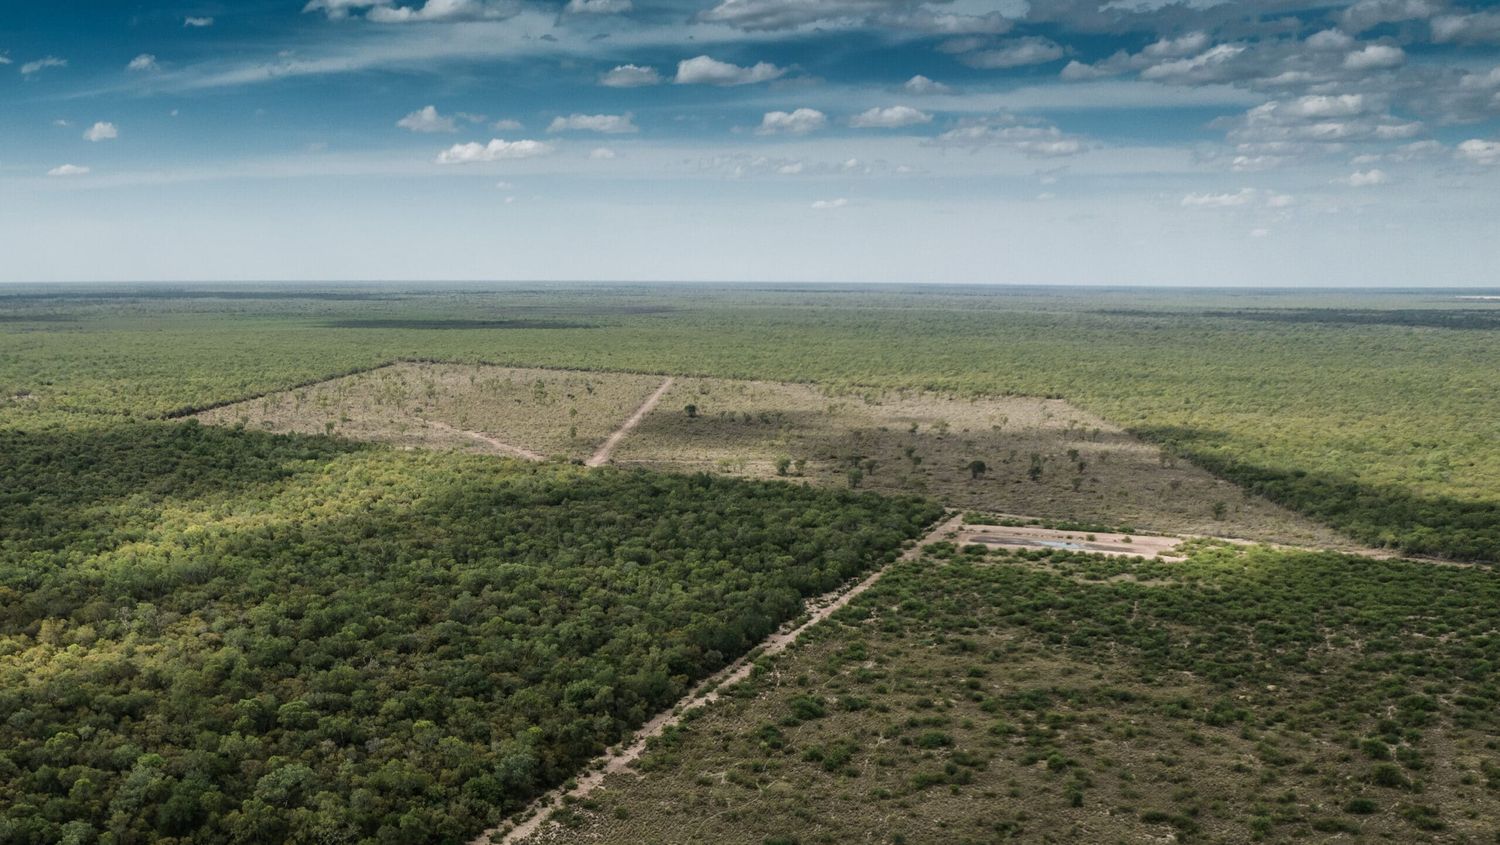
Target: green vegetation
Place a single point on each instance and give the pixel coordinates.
(1246, 694)
(1388, 429)
(210, 635)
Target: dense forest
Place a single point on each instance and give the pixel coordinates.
(210, 635)
(1375, 412)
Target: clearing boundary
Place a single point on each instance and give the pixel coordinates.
(704, 693)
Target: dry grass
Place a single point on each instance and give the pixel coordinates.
(1044, 457)
(550, 412)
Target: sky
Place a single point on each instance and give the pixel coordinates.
(1260, 142)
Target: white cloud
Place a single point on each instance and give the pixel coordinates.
(703, 70)
(1235, 200)
(197, 22)
(1477, 28)
(1330, 39)
(496, 150)
(892, 117)
(143, 62)
(602, 154)
(1375, 57)
(597, 7)
(1018, 53)
(68, 170)
(340, 9)
(1176, 48)
(42, 64)
(609, 124)
(506, 124)
(1365, 178)
(920, 84)
(1037, 140)
(823, 205)
(793, 168)
(1201, 67)
(427, 119)
(4, 59)
(101, 131)
(1367, 14)
(1479, 151)
(630, 76)
(1076, 71)
(797, 122)
(443, 10)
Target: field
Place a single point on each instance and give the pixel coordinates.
(970, 697)
(533, 414)
(237, 602)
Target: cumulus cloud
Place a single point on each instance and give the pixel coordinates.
(497, 149)
(4, 58)
(602, 154)
(1330, 39)
(1243, 198)
(1038, 140)
(798, 122)
(427, 119)
(630, 76)
(143, 62)
(387, 11)
(68, 170)
(1020, 52)
(911, 15)
(703, 70)
(1479, 151)
(101, 131)
(891, 117)
(1240, 198)
(920, 85)
(823, 205)
(610, 124)
(1375, 57)
(1476, 28)
(1365, 178)
(1368, 14)
(340, 9)
(597, 7)
(42, 64)
(1195, 69)
(506, 124)
(197, 22)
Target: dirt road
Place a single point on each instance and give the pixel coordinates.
(601, 457)
(705, 693)
(507, 448)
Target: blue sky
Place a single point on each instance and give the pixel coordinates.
(1052, 141)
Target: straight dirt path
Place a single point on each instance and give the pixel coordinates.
(507, 448)
(601, 457)
(705, 693)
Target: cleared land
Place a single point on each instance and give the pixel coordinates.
(1100, 543)
(1245, 694)
(1042, 457)
(529, 413)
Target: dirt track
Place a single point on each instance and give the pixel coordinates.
(705, 693)
(507, 448)
(601, 457)
(1029, 537)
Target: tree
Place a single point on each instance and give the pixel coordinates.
(691, 411)
(856, 475)
(977, 469)
(782, 464)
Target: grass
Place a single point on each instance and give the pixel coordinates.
(545, 411)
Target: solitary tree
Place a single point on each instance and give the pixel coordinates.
(856, 475)
(977, 469)
(691, 411)
(782, 464)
